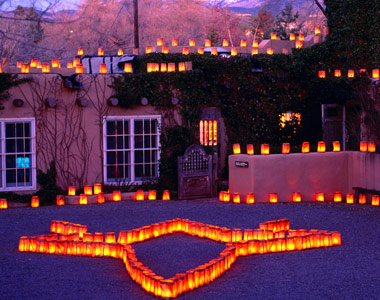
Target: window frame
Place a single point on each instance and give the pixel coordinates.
(132, 149)
(3, 169)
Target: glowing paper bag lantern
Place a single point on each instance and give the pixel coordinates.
(322, 74)
(234, 51)
(214, 51)
(243, 43)
(299, 44)
(165, 50)
(292, 37)
(317, 30)
(128, 68)
(100, 51)
(163, 67)
(120, 52)
(296, 197)
(87, 190)
(152, 195)
(336, 146)
(270, 51)
(60, 199)
(320, 197)
(171, 67)
(363, 146)
(350, 198)
(3, 203)
(371, 147)
(174, 43)
(321, 146)
(139, 196)
(71, 191)
(76, 61)
(221, 196)
(103, 69)
(255, 44)
(191, 43)
(225, 43)
(305, 147)
(236, 198)
(207, 43)
(375, 73)
(45, 68)
(273, 198)
(35, 201)
(250, 198)
(181, 67)
(166, 195)
(148, 49)
(201, 50)
(236, 148)
(375, 200)
(362, 199)
(285, 148)
(19, 64)
(33, 63)
(254, 51)
(337, 197)
(337, 73)
(264, 149)
(227, 196)
(351, 74)
(301, 37)
(80, 51)
(97, 188)
(185, 51)
(83, 199)
(273, 36)
(100, 198)
(70, 65)
(116, 195)
(25, 68)
(160, 42)
(110, 237)
(79, 69)
(250, 149)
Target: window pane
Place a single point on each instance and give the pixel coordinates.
(19, 129)
(9, 130)
(127, 157)
(111, 158)
(139, 142)
(110, 128)
(27, 145)
(10, 146)
(11, 177)
(138, 127)
(138, 157)
(119, 172)
(27, 177)
(147, 170)
(20, 145)
(20, 177)
(10, 161)
(138, 171)
(147, 141)
(147, 156)
(111, 172)
(120, 157)
(154, 141)
(111, 143)
(126, 127)
(120, 143)
(154, 170)
(154, 155)
(23, 162)
(147, 126)
(154, 126)
(127, 170)
(119, 127)
(26, 129)
(126, 142)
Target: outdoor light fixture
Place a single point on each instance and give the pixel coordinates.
(174, 43)
(317, 30)
(270, 51)
(301, 37)
(160, 42)
(100, 198)
(18, 102)
(236, 149)
(305, 147)
(128, 68)
(296, 197)
(375, 73)
(120, 52)
(45, 68)
(250, 198)
(234, 51)
(299, 44)
(292, 37)
(225, 43)
(100, 51)
(148, 49)
(214, 51)
(152, 195)
(207, 43)
(191, 43)
(363, 146)
(3, 203)
(273, 36)
(285, 148)
(165, 50)
(166, 195)
(60, 200)
(236, 198)
(351, 74)
(116, 195)
(362, 199)
(201, 50)
(255, 44)
(320, 197)
(163, 67)
(185, 51)
(350, 198)
(336, 146)
(264, 149)
(103, 69)
(25, 68)
(254, 51)
(371, 147)
(83, 199)
(337, 73)
(139, 195)
(337, 197)
(321, 147)
(250, 149)
(322, 74)
(55, 63)
(35, 201)
(273, 198)
(243, 43)
(80, 51)
(79, 69)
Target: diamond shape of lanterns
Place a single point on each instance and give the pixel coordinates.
(271, 236)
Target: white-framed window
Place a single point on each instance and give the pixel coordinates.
(17, 154)
(131, 148)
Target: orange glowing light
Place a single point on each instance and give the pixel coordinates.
(71, 191)
(371, 147)
(243, 43)
(83, 199)
(270, 51)
(87, 190)
(292, 37)
(70, 65)
(337, 73)
(166, 195)
(171, 67)
(265, 149)
(80, 51)
(165, 50)
(375, 73)
(45, 68)
(214, 51)
(60, 200)
(103, 69)
(226, 197)
(128, 68)
(148, 49)
(299, 44)
(236, 149)
(321, 147)
(301, 37)
(3, 203)
(25, 68)
(97, 188)
(100, 51)
(338, 197)
(191, 43)
(285, 148)
(160, 42)
(336, 146)
(250, 198)
(100, 198)
(305, 147)
(375, 200)
(362, 199)
(363, 146)
(181, 67)
(207, 43)
(185, 51)
(120, 52)
(236, 198)
(296, 197)
(273, 36)
(250, 149)
(255, 44)
(322, 74)
(174, 43)
(201, 50)
(225, 43)
(76, 61)
(273, 198)
(116, 195)
(254, 51)
(320, 197)
(317, 30)
(351, 74)
(33, 63)
(234, 51)
(139, 196)
(163, 67)
(79, 69)
(152, 195)
(35, 201)
(350, 198)
(19, 64)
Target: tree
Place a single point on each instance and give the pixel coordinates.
(262, 24)
(286, 22)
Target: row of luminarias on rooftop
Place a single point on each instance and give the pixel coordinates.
(321, 147)
(350, 73)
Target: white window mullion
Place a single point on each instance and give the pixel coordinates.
(132, 137)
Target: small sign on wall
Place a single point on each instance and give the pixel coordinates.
(241, 164)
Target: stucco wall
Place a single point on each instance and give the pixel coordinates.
(307, 173)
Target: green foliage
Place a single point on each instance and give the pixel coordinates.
(48, 188)
(261, 24)
(286, 22)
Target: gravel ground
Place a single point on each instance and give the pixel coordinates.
(351, 271)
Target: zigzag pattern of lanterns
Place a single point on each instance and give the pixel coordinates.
(272, 236)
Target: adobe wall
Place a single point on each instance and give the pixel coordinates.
(307, 173)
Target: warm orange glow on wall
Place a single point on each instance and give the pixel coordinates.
(363, 146)
(301, 37)
(25, 68)
(225, 43)
(39, 65)
(338, 197)
(171, 67)
(250, 198)
(185, 51)
(243, 43)
(322, 74)
(362, 199)
(35, 201)
(80, 51)
(100, 51)
(292, 37)
(79, 69)
(87, 190)
(273, 36)
(116, 195)
(270, 51)
(375, 73)
(174, 43)
(148, 49)
(165, 50)
(371, 147)
(305, 147)
(236, 148)
(320, 197)
(201, 50)
(33, 63)
(152, 195)
(128, 68)
(299, 44)
(375, 200)
(214, 51)
(45, 68)
(321, 146)
(181, 67)
(160, 42)
(296, 197)
(336, 146)
(3, 203)
(103, 69)
(60, 200)
(236, 198)
(100, 198)
(337, 73)
(285, 148)
(264, 149)
(166, 195)
(234, 51)
(83, 199)
(351, 74)
(250, 149)
(207, 43)
(273, 198)
(120, 52)
(317, 30)
(71, 191)
(191, 43)
(254, 51)
(163, 67)
(350, 198)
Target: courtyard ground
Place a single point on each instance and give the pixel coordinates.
(351, 271)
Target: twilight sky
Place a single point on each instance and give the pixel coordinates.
(39, 4)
